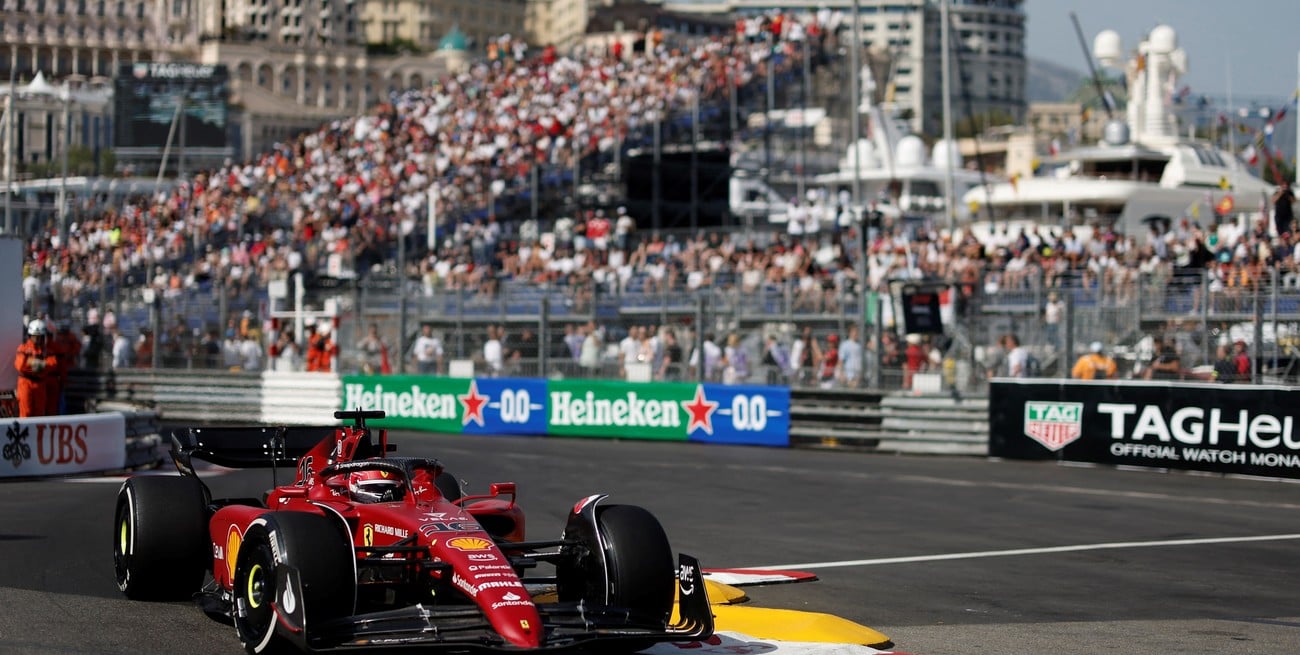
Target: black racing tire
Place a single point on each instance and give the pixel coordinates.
(161, 549)
(639, 558)
(322, 553)
(448, 486)
(638, 562)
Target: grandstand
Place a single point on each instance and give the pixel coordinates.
(342, 216)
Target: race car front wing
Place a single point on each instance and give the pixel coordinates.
(569, 627)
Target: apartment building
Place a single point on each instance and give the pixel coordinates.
(903, 38)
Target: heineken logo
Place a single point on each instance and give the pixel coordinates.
(630, 410)
(411, 402)
(1054, 425)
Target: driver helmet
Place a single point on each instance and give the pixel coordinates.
(37, 328)
(374, 487)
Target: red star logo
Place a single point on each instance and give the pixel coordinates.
(701, 411)
(473, 403)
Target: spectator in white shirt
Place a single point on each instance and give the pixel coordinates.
(493, 355)
(427, 352)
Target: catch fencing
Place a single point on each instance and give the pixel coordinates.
(1189, 309)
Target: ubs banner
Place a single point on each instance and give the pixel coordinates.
(61, 445)
(1221, 428)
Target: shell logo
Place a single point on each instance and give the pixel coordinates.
(469, 543)
(233, 540)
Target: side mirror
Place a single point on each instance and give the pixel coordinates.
(503, 489)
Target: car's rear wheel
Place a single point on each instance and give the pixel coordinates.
(160, 537)
(638, 564)
(311, 544)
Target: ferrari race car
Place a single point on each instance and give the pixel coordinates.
(366, 549)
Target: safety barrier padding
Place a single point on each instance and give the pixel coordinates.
(938, 424)
(144, 443)
(179, 395)
(896, 422)
(300, 398)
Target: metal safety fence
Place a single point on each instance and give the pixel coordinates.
(579, 328)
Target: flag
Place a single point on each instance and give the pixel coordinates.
(1224, 206)
(385, 367)
(1224, 182)
(1250, 155)
(1054, 147)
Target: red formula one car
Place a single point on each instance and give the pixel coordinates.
(366, 549)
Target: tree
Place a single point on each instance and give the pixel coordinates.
(972, 126)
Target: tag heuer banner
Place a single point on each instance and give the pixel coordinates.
(1223, 428)
(711, 413)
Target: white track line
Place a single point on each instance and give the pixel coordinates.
(1027, 551)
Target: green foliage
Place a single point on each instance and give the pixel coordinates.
(1086, 94)
(971, 126)
(394, 47)
(81, 162)
(1284, 171)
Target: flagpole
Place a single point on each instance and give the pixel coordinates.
(1295, 99)
(1232, 138)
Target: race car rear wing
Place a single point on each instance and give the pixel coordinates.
(246, 447)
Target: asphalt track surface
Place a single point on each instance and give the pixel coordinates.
(946, 555)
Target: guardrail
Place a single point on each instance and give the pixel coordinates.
(897, 422)
(144, 442)
(200, 396)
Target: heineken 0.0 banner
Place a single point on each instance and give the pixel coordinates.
(455, 405)
(710, 413)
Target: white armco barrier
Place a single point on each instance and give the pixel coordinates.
(60, 445)
(300, 398)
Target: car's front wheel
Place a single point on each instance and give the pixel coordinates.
(321, 554)
(629, 565)
(160, 537)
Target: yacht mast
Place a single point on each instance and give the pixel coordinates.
(855, 119)
(946, 72)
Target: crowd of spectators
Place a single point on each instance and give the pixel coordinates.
(338, 198)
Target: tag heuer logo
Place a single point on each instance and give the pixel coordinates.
(1055, 425)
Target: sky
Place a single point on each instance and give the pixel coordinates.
(1257, 40)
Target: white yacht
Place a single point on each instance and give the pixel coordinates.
(1141, 169)
(897, 174)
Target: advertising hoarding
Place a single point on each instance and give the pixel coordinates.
(1223, 428)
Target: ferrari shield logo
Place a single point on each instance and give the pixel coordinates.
(1055, 425)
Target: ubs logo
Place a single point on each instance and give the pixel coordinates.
(17, 450)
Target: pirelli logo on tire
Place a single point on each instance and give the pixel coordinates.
(1054, 425)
